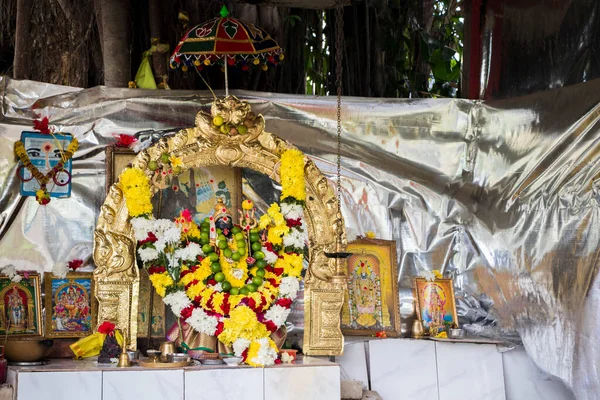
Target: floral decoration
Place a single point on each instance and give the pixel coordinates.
(124, 140)
(235, 282)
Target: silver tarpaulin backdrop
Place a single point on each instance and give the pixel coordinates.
(503, 196)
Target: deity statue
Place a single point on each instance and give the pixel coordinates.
(17, 312)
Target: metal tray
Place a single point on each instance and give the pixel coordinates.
(150, 364)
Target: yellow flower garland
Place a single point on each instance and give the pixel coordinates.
(291, 172)
(242, 323)
(161, 282)
(136, 189)
(253, 350)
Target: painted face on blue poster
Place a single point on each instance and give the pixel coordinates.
(44, 152)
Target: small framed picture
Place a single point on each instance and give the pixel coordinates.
(20, 306)
(70, 309)
(372, 302)
(44, 152)
(435, 303)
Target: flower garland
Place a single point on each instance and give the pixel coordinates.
(236, 284)
(42, 196)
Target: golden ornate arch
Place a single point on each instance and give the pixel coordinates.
(116, 276)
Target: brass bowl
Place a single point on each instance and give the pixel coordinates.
(27, 350)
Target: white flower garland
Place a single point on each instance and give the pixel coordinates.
(190, 252)
(292, 211)
(148, 254)
(289, 287)
(177, 301)
(266, 355)
(239, 346)
(202, 322)
(277, 314)
(270, 257)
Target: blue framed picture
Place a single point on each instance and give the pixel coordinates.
(44, 151)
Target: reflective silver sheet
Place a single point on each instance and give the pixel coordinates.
(503, 195)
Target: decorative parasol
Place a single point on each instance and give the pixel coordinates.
(226, 41)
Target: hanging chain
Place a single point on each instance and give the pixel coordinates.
(339, 48)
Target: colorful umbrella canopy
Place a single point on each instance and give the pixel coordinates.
(226, 39)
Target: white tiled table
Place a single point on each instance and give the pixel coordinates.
(309, 378)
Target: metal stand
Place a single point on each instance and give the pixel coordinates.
(226, 79)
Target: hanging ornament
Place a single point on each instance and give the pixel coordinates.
(45, 150)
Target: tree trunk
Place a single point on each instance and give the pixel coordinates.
(116, 25)
(22, 42)
(159, 57)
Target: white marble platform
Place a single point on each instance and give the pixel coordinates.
(469, 372)
(308, 378)
(523, 380)
(403, 369)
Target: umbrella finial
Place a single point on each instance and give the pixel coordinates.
(224, 12)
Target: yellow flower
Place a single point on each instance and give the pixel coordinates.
(437, 274)
(253, 350)
(442, 335)
(136, 189)
(371, 235)
(161, 282)
(175, 161)
(242, 323)
(291, 264)
(291, 172)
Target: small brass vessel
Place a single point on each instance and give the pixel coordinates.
(417, 329)
(166, 348)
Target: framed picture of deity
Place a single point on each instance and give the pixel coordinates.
(435, 303)
(196, 189)
(70, 308)
(371, 303)
(20, 306)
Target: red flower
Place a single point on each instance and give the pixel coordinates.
(74, 264)
(212, 282)
(42, 126)
(278, 271)
(244, 355)
(251, 303)
(156, 269)
(187, 312)
(268, 246)
(107, 328)
(150, 239)
(270, 325)
(293, 222)
(226, 306)
(220, 327)
(278, 361)
(184, 273)
(124, 140)
(186, 215)
(192, 283)
(287, 303)
(273, 281)
(381, 334)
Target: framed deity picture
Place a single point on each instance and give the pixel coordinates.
(70, 308)
(196, 189)
(20, 306)
(371, 303)
(435, 302)
(44, 152)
